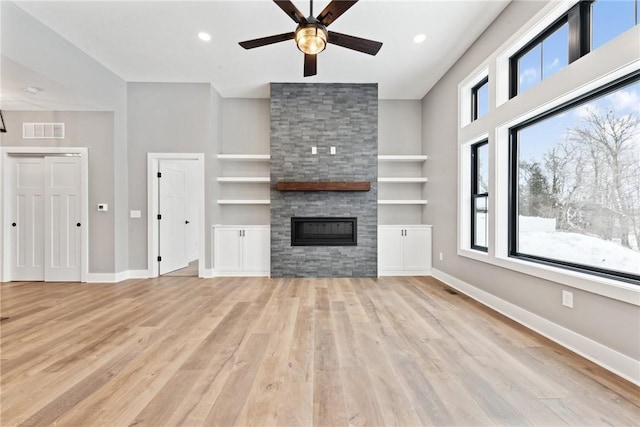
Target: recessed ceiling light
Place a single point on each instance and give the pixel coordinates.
(205, 37)
(419, 38)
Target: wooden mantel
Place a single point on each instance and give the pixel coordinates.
(323, 185)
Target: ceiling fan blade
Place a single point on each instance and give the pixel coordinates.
(250, 44)
(310, 65)
(355, 43)
(334, 10)
(290, 9)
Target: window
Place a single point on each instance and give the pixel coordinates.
(586, 26)
(575, 184)
(610, 18)
(480, 99)
(479, 195)
(542, 58)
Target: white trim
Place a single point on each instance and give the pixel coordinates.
(137, 274)
(241, 274)
(152, 208)
(610, 359)
(402, 158)
(384, 273)
(5, 262)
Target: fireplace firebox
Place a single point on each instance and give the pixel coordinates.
(324, 231)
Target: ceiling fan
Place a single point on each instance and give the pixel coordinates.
(312, 36)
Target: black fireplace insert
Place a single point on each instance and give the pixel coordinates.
(324, 231)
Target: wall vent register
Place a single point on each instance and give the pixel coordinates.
(326, 231)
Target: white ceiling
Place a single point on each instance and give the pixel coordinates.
(156, 41)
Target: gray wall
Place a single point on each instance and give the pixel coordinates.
(610, 322)
(168, 118)
(324, 115)
(44, 57)
(93, 130)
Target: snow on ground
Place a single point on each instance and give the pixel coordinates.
(579, 249)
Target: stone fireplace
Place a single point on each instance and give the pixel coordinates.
(344, 116)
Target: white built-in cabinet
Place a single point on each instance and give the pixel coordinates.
(242, 250)
(404, 250)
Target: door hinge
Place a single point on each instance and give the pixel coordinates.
(159, 216)
(159, 258)
(159, 174)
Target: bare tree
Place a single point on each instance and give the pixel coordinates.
(611, 143)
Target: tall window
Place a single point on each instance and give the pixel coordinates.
(480, 99)
(479, 195)
(575, 184)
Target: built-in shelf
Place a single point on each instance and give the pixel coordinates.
(244, 157)
(244, 179)
(402, 202)
(403, 180)
(403, 158)
(323, 186)
(244, 202)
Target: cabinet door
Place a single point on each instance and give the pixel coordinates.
(228, 250)
(417, 249)
(390, 248)
(257, 249)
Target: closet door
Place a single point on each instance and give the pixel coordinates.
(63, 219)
(26, 180)
(172, 189)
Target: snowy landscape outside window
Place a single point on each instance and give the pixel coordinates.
(575, 184)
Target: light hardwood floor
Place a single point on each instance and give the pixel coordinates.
(259, 352)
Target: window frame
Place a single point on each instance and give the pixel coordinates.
(474, 195)
(578, 17)
(474, 97)
(513, 184)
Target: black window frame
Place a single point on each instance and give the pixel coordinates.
(514, 184)
(474, 97)
(579, 40)
(475, 195)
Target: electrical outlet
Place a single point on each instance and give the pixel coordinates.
(314, 150)
(441, 257)
(333, 150)
(567, 299)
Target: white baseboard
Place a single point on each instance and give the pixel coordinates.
(137, 274)
(618, 363)
(241, 274)
(404, 273)
(102, 277)
(208, 273)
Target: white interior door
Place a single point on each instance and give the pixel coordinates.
(63, 219)
(26, 180)
(172, 209)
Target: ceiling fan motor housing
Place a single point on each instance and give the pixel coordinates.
(311, 37)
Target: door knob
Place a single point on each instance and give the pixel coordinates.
(13, 224)
(78, 225)
(186, 222)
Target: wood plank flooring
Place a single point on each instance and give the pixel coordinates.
(179, 351)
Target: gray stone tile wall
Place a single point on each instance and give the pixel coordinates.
(344, 116)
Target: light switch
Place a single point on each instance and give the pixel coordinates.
(103, 207)
(135, 214)
(333, 150)
(314, 150)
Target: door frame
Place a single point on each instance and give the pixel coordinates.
(5, 213)
(153, 161)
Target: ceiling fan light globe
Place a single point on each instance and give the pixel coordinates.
(311, 39)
